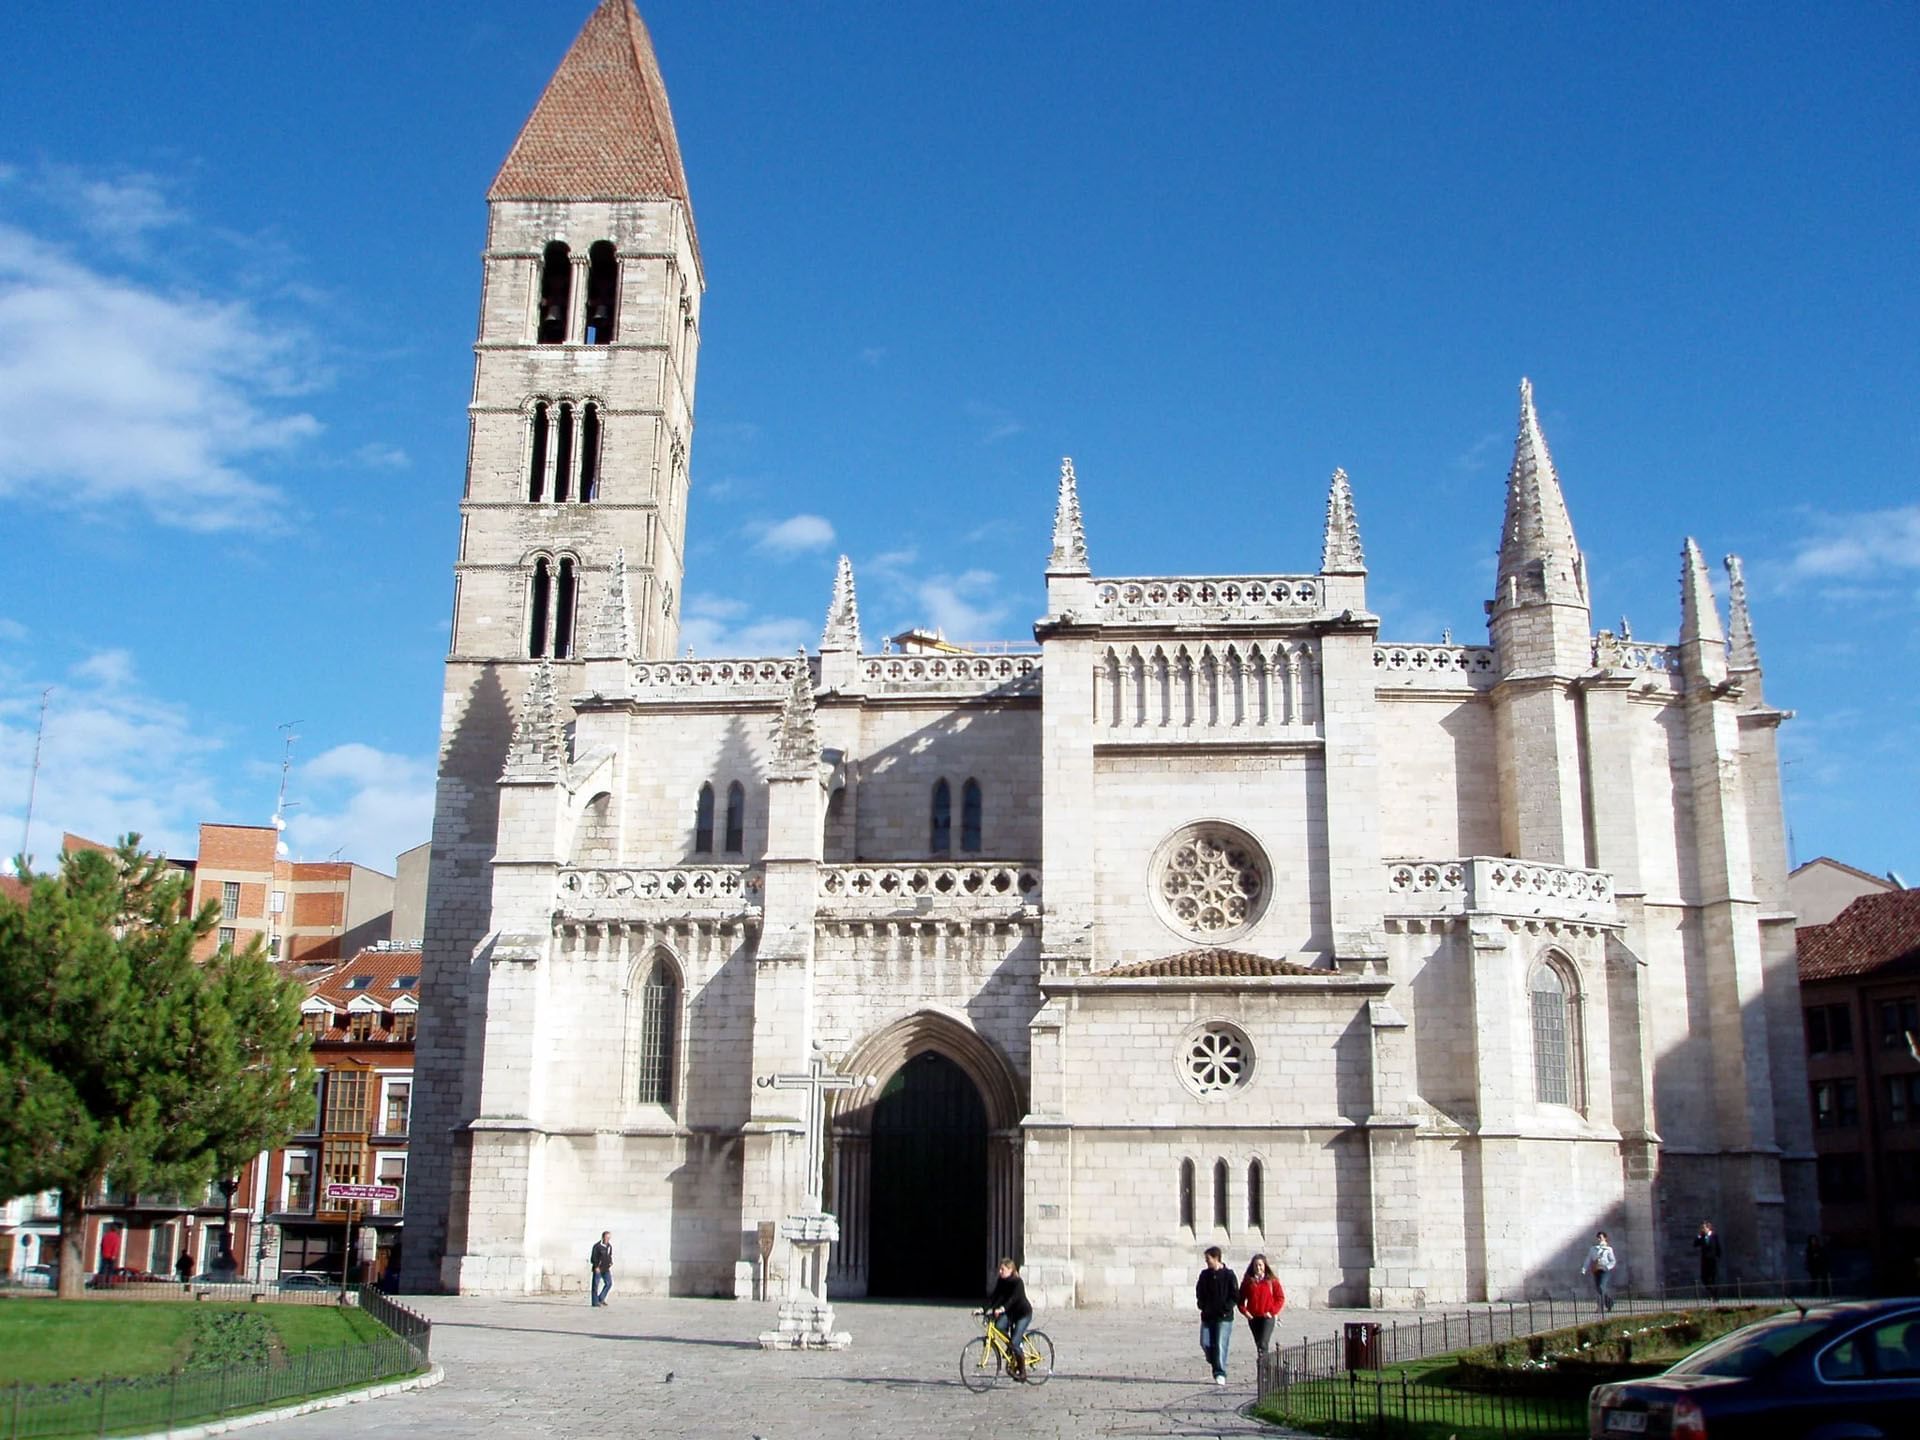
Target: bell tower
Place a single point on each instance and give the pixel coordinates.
(575, 499)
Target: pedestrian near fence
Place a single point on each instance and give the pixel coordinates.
(1217, 1295)
(1261, 1301)
(1600, 1263)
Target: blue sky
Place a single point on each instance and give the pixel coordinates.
(1210, 251)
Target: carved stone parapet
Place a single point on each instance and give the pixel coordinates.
(1491, 885)
(640, 893)
(1447, 666)
(983, 891)
(714, 679)
(1213, 600)
(1017, 674)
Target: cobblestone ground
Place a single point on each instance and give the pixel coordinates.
(556, 1367)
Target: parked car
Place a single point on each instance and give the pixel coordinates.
(40, 1277)
(1850, 1369)
(306, 1280)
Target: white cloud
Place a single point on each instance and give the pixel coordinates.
(872, 355)
(710, 631)
(794, 535)
(360, 804)
(1477, 456)
(964, 607)
(114, 392)
(12, 630)
(999, 424)
(119, 209)
(1865, 546)
(382, 457)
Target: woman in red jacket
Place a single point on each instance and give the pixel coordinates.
(1261, 1299)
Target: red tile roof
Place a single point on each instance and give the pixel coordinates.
(1203, 963)
(379, 969)
(1874, 933)
(602, 128)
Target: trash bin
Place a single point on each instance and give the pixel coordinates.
(1363, 1345)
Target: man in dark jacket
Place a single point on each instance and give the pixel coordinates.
(1707, 1242)
(1216, 1293)
(602, 1262)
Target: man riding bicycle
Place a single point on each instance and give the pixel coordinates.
(1009, 1309)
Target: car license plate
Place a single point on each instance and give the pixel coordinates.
(1626, 1422)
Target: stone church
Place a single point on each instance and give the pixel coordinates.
(1210, 916)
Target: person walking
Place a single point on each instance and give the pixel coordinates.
(1261, 1301)
(1009, 1308)
(1707, 1242)
(1600, 1263)
(1217, 1296)
(602, 1262)
(183, 1267)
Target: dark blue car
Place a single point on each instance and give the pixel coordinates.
(1831, 1372)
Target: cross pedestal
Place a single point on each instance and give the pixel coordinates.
(806, 1318)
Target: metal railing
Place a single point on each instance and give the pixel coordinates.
(147, 1403)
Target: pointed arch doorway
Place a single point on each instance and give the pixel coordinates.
(925, 1171)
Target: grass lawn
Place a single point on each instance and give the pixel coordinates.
(47, 1341)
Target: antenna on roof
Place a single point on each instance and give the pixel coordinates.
(33, 776)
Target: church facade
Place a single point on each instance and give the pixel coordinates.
(1212, 916)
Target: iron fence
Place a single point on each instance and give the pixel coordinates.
(1393, 1405)
(144, 1404)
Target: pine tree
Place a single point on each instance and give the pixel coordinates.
(121, 1055)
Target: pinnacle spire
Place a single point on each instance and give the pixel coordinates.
(602, 128)
(796, 745)
(612, 635)
(1742, 654)
(1539, 557)
(1699, 611)
(843, 612)
(539, 740)
(1069, 555)
(1340, 552)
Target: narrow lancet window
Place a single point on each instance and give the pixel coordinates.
(563, 599)
(1256, 1196)
(970, 817)
(603, 293)
(556, 293)
(539, 607)
(736, 818)
(1219, 1194)
(703, 822)
(537, 469)
(563, 456)
(1186, 1193)
(1556, 1036)
(942, 841)
(589, 453)
(659, 1012)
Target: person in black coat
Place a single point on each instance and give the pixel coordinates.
(1009, 1308)
(1707, 1242)
(1216, 1292)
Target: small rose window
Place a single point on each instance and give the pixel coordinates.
(1217, 1058)
(1210, 882)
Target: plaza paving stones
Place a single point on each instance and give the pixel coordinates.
(552, 1366)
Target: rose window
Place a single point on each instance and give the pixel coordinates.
(1218, 1058)
(1210, 882)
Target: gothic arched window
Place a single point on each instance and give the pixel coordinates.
(564, 590)
(736, 818)
(659, 1017)
(603, 292)
(1186, 1193)
(703, 822)
(556, 293)
(539, 605)
(1256, 1196)
(589, 453)
(1219, 1194)
(942, 841)
(537, 469)
(1557, 1065)
(970, 817)
(563, 455)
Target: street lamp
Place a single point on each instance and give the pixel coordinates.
(226, 1264)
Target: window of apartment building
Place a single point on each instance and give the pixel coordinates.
(160, 1250)
(1903, 1099)
(230, 900)
(1842, 1178)
(312, 1127)
(343, 1162)
(1898, 1020)
(360, 1025)
(347, 1101)
(296, 1185)
(403, 1027)
(396, 1105)
(227, 936)
(316, 1023)
(1836, 1105)
(392, 1171)
(1829, 1030)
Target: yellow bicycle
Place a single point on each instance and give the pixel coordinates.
(987, 1359)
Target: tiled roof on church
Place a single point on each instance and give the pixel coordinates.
(1201, 964)
(602, 128)
(1875, 932)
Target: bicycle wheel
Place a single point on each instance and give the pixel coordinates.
(1039, 1357)
(979, 1364)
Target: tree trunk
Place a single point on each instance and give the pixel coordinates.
(73, 1231)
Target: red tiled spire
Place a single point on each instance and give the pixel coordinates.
(602, 129)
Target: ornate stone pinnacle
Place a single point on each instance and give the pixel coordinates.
(796, 746)
(1742, 653)
(539, 738)
(1069, 555)
(1699, 612)
(843, 613)
(1537, 526)
(612, 635)
(1340, 552)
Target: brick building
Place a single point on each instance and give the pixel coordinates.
(1860, 985)
(305, 911)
